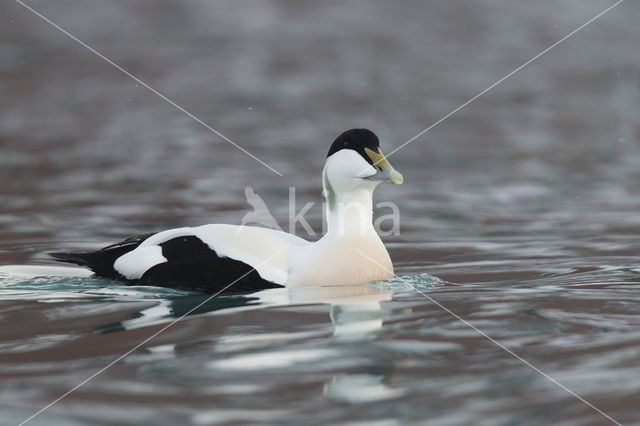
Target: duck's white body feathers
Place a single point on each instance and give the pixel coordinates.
(265, 250)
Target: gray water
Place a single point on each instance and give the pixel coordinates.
(519, 213)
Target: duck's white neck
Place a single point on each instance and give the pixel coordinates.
(351, 251)
(350, 212)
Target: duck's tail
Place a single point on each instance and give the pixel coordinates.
(77, 258)
(101, 261)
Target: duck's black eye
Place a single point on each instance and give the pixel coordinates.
(357, 140)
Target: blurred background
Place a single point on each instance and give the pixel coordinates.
(89, 156)
(526, 201)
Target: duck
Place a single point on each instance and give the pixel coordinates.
(242, 258)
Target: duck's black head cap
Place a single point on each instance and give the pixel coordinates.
(357, 140)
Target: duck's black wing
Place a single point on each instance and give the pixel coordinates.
(193, 265)
(190, 265)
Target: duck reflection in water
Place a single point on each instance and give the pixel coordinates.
(357, 313)
(358, 318)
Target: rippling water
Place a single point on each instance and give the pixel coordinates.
(519, 214)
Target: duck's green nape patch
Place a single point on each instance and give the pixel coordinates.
(329, 192)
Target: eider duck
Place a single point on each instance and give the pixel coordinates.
(211, 257)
